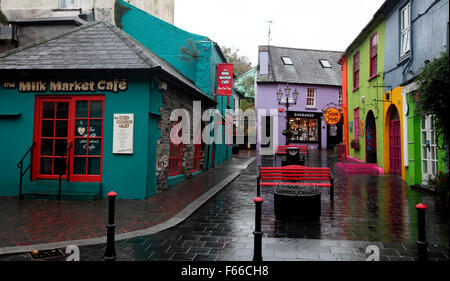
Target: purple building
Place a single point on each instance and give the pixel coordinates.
(312, 75)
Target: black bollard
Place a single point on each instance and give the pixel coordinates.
(257, 249)
(422, 243)
(110, 253)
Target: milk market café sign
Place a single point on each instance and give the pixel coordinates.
(39, 86)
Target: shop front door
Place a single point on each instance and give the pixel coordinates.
(371, 139)
(68, 132)
(395, 160)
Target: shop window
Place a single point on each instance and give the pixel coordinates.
(373, 54)
(405, 26)
(175, 156)
(311, 98)
(88, 137)
(303, 130)
(75, 122)
(356, 71)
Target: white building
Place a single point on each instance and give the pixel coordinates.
(103, 9)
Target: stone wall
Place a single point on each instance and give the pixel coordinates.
(173, 99)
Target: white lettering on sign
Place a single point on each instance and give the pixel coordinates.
(123, 133)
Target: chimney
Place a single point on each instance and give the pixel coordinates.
(263, 60)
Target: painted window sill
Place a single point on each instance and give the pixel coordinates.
(355, 89)
(403, 59)
(310, 108)
(373, 77)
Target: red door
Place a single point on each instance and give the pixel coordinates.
(69, 121)
(394, 147)
(52, 137)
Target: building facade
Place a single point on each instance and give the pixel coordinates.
(418, 33)
(152, 89)
(363, 89)
(316, 76)
(197, 58)
(101, 127)
(380, 68)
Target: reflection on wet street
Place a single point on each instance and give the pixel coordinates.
(366, 208)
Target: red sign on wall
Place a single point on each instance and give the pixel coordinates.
(224, 79)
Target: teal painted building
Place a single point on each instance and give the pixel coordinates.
(87, 104)
(194, 56)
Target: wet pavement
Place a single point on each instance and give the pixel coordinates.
(30, 222)
(367, 210)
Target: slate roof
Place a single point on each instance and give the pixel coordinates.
(306, 67)
(92, 46)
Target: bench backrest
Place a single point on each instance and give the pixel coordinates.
(295, 172)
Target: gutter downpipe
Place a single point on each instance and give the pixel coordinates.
(405, 108)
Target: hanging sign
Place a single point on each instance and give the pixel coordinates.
(362, 128)
(224, 79)
(123, 133)
(332, 116)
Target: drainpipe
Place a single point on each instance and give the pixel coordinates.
(405, 129)
(404, 93)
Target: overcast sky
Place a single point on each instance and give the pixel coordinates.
(309, 24)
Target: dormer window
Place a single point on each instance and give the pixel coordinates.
(325, 63)
(287, 60)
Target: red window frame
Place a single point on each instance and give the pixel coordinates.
(37, 137)
(175, 157)
(356, 71)
(197, 158)
(373, 56)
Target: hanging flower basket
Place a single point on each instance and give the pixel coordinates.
(355, 145)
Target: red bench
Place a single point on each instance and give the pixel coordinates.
(296, 175)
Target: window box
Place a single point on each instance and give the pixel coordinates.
(355, 145)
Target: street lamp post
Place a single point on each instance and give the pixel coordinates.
(286, 101)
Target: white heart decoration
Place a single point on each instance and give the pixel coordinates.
(81, 130)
